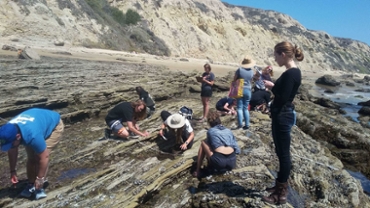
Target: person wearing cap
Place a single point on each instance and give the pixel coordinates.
(220, 147)
(39, 130)
(226, 106)
(244, 72)
(126, 112)
(260, 76)
(181, 126)
(148, 100)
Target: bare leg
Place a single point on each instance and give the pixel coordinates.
(204, 151)
(31, 165)
(205, 102)
(122, 133)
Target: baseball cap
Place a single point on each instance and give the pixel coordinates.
(8, 133)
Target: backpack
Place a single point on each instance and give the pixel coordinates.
(186, 112)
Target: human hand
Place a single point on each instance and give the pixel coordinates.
(39, 183)
(161, 132)
(268, 84)
(184, 146)
(14, 178)
(146, 134)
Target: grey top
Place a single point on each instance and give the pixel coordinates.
(219, 135)
(246, 74)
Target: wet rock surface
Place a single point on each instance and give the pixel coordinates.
(89, 171)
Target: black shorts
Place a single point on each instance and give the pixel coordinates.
(206, 92)
(220, 161)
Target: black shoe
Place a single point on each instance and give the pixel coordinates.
(245, 127)
(236, 128)
(107, 133)
(132, 135)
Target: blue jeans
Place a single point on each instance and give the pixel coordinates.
(282, 123)
(242, 107)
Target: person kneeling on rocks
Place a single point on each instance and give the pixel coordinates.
(226, 106)
(148, 100)
(180, 126)
(260, 100)
(126, 112)
(220, 147)
(39, 130)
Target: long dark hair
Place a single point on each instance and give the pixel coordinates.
(139, 115)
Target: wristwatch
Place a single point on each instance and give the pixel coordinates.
(186, 142)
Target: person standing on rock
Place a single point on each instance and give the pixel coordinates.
(220, 147)
(39, 130)
(206, 91)
(181, 127)
(126, 112)
(283, 115)
(244, 72)
(148, 100)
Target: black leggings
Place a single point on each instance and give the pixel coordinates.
(282, 123)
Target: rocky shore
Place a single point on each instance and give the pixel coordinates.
(88, 171)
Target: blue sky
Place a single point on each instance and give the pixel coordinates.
(339, 18)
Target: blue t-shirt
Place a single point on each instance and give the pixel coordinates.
(36, 125)
(219, 135)
(246, 74)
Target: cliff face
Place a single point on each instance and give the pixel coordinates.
(200, 29)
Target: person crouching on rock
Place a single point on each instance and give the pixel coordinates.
(260, 100)
(148, 100)
(39, 130)
(126, 112)
(226, 106)
(220, 147)
(180, 126)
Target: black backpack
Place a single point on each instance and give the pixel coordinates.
(186, 112)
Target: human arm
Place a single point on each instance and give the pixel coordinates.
(236, 76)
(209, 79)
(163, 127)
(185, 145)
(268, 84)
(132, 128)
(13, 157)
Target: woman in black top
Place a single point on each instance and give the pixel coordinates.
(283, 115)
(126, 112)
(206, 92)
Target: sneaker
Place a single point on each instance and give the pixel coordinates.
(236, 128)
(27, 192)
(132, 135)
(40, 194)
(107, 133)
(245, 127)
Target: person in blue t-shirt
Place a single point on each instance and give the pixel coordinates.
(220, 147)
(39, 130)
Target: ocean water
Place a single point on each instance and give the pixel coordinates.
(345, 96)
(365, 182)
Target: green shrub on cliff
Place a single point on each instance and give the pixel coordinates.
(104, 9)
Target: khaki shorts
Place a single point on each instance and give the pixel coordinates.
(52, 140)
